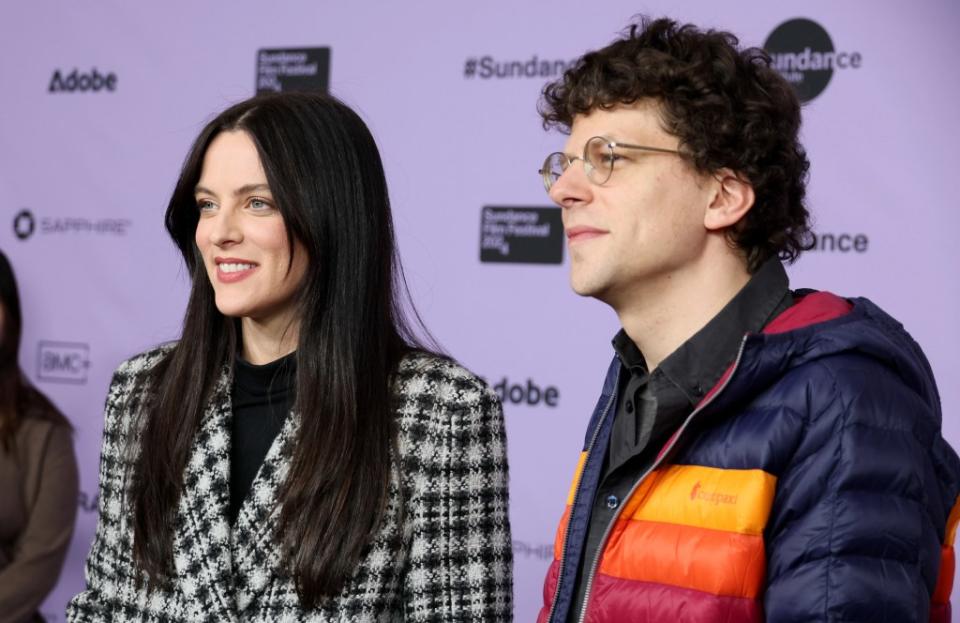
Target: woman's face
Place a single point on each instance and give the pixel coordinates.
(241, 234)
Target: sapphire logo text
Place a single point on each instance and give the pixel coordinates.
(543, 551)
(24, 224)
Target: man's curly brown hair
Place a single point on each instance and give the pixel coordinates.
(727, 106)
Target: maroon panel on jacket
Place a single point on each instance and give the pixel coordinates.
(940, 613)
(808, 310)
(613, 600)
(549, 586)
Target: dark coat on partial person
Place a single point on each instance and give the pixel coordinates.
(38, 506)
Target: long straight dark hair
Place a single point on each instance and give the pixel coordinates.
(326, 176)
(18, 398)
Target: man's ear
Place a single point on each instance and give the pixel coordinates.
(733, 197)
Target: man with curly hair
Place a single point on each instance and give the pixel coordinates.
(757, 453)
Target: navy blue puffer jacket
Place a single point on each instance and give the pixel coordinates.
(812, 484)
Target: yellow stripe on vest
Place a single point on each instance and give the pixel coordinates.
(733, 500)
(576, 478)
(951, 532)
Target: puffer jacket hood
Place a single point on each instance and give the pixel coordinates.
(821, 325)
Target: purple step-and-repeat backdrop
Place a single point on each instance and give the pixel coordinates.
(104, 97)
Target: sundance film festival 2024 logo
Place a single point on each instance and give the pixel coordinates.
(804, 54)
(521, 235)
(293, 69)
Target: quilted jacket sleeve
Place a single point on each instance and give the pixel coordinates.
(108, 566)
(860, 513)
(460, 551)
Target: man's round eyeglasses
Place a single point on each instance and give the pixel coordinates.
(599, 158)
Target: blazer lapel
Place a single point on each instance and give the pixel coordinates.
(202, 543)
(256, 552)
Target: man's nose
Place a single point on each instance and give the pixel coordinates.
(572, 187)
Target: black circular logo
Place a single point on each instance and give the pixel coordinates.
(24, 224)
(801, 50)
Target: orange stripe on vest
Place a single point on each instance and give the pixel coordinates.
(941, 595)
(690, 526)
(712, 561)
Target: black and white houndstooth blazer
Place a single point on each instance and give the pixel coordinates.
(450, 559)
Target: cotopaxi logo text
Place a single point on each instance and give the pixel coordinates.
(697, 494)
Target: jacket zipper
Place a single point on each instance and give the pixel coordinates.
(576, 496)
(656, 464)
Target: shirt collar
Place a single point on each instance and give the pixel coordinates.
(698, 363)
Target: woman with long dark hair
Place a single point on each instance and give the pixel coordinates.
(38, 475)
(297, 454)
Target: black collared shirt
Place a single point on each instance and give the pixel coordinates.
(261, 399)
(652, 405)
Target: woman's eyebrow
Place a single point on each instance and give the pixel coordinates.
(243, 190)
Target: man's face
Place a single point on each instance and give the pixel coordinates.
(646, 223)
